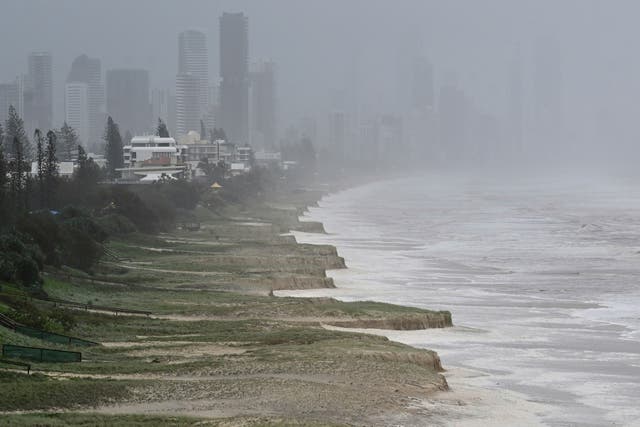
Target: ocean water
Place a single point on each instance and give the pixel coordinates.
(542, 277)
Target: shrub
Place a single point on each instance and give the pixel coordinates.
(19, 262)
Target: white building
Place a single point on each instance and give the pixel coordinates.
(187, 104)
(193, 58)
(76, 109)
(149, 158)
(65, 169)
(10, 95)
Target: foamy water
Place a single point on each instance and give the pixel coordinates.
(542, 279)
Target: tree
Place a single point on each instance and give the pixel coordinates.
(18, 179)
(162, 130)
(50, 169)
(15, 128)
(215, 172)
(4, 169)
(113, 148)
(40, 160)
(68, 142)
(87, 174)
(218, 133)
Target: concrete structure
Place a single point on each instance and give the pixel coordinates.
(128, 100)
(268, 158)
(422, 92)
(197, 150)
(89, 71)
(10, 95)
(163, 107)
(234, 72)
(193, 58)
(149, 158)
(76, 109)
(65, 169)
(263, 106)
(40, 84)
(188, 112)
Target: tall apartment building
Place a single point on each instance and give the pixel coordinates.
(234, 72)
(263, 106)
(40, 84)
(76, 109)
(193, 58)
(128, 100)
(89, 71)
(187, 104)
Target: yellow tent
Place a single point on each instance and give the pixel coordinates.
(216, 186)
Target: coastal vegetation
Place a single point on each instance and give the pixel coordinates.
(186, 315)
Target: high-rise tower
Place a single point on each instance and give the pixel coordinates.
(193, 58)
(40, 82)
(188, 90)
(88, 71)
(128, 100)
(234, 72)
(263, 106)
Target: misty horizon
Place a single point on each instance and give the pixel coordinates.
(357, 57)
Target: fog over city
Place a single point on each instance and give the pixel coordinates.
(566, 69)
(218, 207)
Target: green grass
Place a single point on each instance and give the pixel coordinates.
(36, 391)
(102, 420)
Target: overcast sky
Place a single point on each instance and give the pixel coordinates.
(323, 46)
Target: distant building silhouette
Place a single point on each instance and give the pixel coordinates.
(193, 60)
(40, 84)
(548, 93)
(422, 93)
(10, 95)
(188, 113)
(128, 100)
(88, 71)
(263, 106)
(163, 106)
(234, 72)
(453, 122)
(76, 109)
(516, 106)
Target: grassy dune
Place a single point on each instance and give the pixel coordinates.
(217, 346)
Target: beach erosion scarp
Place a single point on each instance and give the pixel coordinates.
(220, 346)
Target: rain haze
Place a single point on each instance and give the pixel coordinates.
(259, 190)
(357, 56)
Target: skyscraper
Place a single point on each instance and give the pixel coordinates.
(187, 104)
(128, 100)
(516, 105)
(263, 106)
(422, 85)
(193, 58)
(76, 109)
(9, 96)
(89, 71)
(234, 72)
(40, 82)
(453, 122)
(548, 87)
(161, 108)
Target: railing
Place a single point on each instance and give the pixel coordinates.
(7, 322)
(39, 354)
(15, 363)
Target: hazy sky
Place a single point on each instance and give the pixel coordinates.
(324, 46)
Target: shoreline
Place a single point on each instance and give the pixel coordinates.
(463, 403)
(221, 277)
